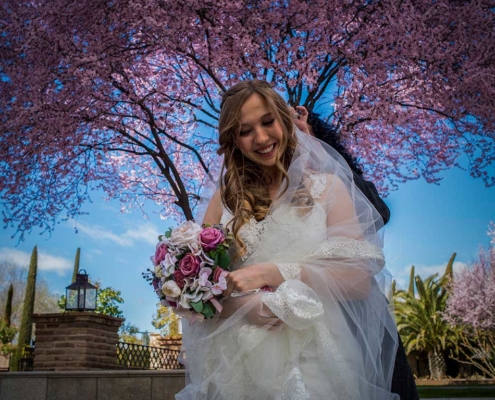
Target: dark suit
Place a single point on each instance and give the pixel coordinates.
(403, 382)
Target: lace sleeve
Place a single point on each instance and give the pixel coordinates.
(295, 303)
(318, 185)
(289, 270)
(344, 247)
(337, 247)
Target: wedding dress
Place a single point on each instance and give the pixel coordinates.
(338, 339)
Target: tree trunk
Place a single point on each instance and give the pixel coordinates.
(437, 364)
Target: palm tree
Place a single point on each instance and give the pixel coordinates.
(420, 322)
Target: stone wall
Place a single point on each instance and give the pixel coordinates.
(91, 385)
(75, 341)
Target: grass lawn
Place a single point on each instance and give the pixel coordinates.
(430, 392)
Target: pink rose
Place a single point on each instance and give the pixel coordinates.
(189, 265)
(218, 273)
(160, 252)
(210, 238)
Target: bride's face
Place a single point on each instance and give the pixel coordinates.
(260, 135)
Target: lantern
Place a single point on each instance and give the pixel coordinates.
(81, 295)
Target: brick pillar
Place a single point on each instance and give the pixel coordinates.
(75, 341)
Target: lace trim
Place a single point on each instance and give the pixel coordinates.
(294, 387)
(289, 271)
(250, 233)
(294, 308)
(340, 246)
(318, 184)
(347, 388)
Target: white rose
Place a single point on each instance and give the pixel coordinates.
(158, 271)
(185, 234)
(171, 289)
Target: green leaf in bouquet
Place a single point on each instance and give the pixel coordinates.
(168, 233)
(223, 260)
(212, 254)
(207, 310)
(197, 305)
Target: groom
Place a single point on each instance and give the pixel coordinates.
(403, 382)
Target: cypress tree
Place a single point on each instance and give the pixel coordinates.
(26, 328)
(76, 265)
(448, 275)
(411, 282)
(449, 269)
(8, 305)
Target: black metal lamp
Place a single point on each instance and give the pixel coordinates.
(81, 295)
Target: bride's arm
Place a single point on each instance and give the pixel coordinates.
(353, 278)
(213, 213)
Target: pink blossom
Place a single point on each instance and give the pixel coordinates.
(204, 274)
(189, 265)
(220, 286)
(413, 93)
(210, 238)
(472, 298)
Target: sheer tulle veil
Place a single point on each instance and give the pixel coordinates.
(338, 339)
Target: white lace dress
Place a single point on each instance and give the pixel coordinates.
(303, 359)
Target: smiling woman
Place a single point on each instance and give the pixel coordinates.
(304, 315)
(260, 133)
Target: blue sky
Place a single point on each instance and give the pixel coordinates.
(429, 222)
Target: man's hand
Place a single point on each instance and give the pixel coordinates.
(300, 115)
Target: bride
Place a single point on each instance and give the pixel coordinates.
(304, 314)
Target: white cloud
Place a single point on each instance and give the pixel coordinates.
(146, 232)
(424, 271)
(98, 233)
(46, 262)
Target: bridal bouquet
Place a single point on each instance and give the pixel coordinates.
(190, 266)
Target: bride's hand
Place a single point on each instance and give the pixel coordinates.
(252, 277)
(252, 308)
(244, 279)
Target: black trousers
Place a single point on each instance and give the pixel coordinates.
(403, 382)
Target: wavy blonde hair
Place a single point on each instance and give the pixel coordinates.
(244, 189)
